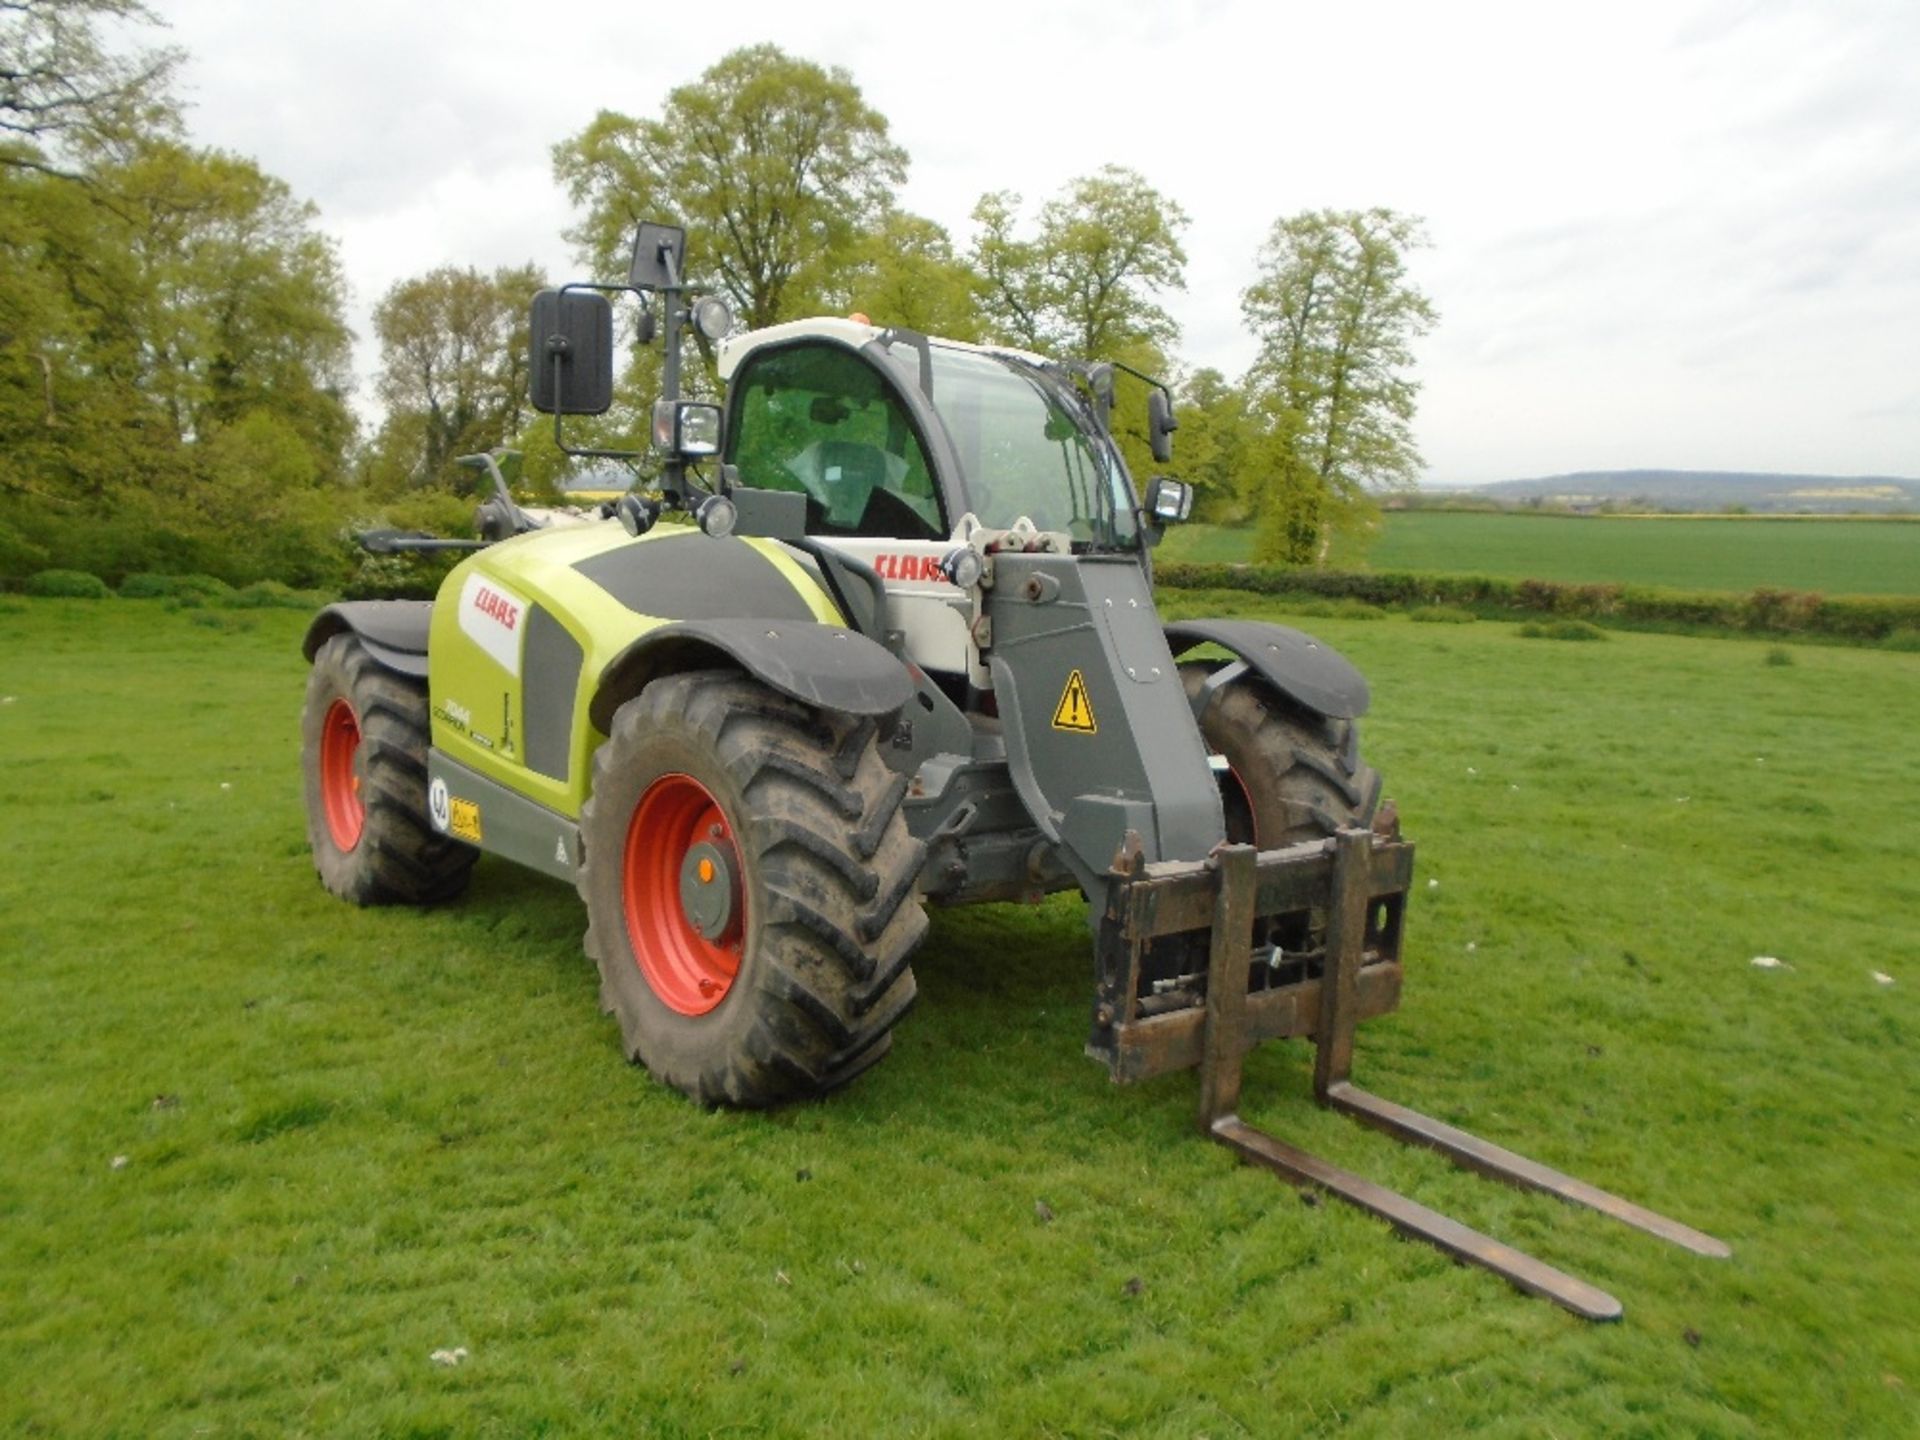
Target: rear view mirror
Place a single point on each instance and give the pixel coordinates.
(1160, 425)
(659, 256)
(570, 369)
(1169, 500)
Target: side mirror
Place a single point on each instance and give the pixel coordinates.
(570, 368)
(659, 256)
(1160, 428)
(1169, 500)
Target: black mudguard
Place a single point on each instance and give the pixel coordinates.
(1303, 669)
(394, 631)
(826, 666)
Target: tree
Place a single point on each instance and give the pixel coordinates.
(453, 348)
(1087, 283)
(1336, 317)
(1215, 445)
(775, 165)
(163, 359)
(63, 97)
(240, 302)
(904, 272)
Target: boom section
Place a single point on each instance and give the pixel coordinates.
(1100, 737)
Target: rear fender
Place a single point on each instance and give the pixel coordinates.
(394, 632)
(825, 666)
(1305, 670)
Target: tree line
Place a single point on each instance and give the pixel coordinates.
(174, 351)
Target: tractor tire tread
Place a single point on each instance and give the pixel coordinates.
(818, 820)
(400, 859)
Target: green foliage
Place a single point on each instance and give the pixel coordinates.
(775, 165)
(66, 93)
(1779, 655)
(201, 587)
(454, 354)
(1442, 615)
(410, 576)
(272, 595)
(1347, 609)
(68, 584)
(1906, 640)
(1561, 630)
(1213, 450)
(354, 1137)
(1087, 285)
(1853, 618)
(903, 272)
(1336, 317)
(145, 586)
(173, 360)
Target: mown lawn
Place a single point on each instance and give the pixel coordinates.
(352, 1138)
(1831, 556)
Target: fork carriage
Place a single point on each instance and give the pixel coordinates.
(1347, 896)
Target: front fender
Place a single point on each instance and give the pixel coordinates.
(1305, 670)
(394, 632)
(826, 666)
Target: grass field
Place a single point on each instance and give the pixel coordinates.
(352, 1138)
(1834, 557)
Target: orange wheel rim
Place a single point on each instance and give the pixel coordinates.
(346, 815)
(682, 892)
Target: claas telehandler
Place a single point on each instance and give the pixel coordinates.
(882, 636)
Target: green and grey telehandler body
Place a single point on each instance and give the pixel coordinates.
(887, 640)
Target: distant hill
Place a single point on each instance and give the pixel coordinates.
(1710, 490)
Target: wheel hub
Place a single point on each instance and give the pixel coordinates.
(708, 890)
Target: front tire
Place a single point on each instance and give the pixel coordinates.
(363, 754)
(750, 890)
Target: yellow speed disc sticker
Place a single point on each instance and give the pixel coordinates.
(463, 820)
(1074, 713)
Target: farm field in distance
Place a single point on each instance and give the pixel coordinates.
(1831, 556)
(353, 1137)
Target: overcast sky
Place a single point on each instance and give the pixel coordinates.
(1676, 234)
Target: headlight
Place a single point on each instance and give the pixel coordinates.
(963, 567)
(712, 317)
(686, 428)
(717, 516)
(699, 429)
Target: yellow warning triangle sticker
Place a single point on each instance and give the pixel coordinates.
(1075, 710)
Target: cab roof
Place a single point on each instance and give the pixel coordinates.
(854, 333)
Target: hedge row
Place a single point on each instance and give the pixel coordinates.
(1766, 612)
(179, 591)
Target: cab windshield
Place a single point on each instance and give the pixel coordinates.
(1025, 450)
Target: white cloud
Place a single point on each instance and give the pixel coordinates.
(1663, 234)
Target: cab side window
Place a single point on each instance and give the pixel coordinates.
(818, 419)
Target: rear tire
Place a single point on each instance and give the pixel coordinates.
(1293, 775)
(364, 737)
(750, 890)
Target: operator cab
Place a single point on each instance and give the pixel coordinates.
(892, 435)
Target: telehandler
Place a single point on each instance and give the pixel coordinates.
(885, 639)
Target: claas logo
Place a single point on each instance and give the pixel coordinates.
(908, 567)
(496, 606)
